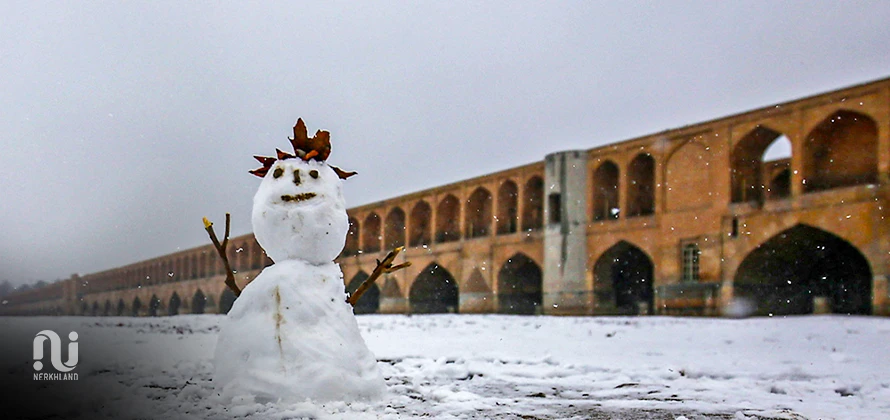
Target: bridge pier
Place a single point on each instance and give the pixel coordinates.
(394, 305)
(566, 291)
(477, 303)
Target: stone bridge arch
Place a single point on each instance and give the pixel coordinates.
(478, 214)
(371, 233)
(520, 286)
(173, 304)
(434, 291)
(155, 306)
(641, 185)
(136, 307)
(448, 219)
(508, 207)
(533, 204)
(750, 179)
(369, 302)
(199, 302)
(420, 224)
(624, 280)
(394, 228)
(804, 269)
(226, 300)
(841, 151)
(606, 196)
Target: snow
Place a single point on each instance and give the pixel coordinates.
(491, 366)
(291, 335)
(312, 229)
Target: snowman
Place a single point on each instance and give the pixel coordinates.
(291, 335)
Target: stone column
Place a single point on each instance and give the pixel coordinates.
(565, 234)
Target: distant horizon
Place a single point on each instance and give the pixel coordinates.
(782, 148)
(122, 133)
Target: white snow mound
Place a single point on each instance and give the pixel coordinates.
(291, 335)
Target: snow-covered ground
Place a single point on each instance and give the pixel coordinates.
(490, 366)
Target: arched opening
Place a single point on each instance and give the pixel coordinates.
(641, 186)
(801, 268)
(508, 203)
(173, 305)
(95, 311)
(137, 307)
(394, 229)
(107, 311)
(421, 231)
(447, 220)
(154, 305)
(369, 302)
(121, 307)
(84, 309)
(199, 302)
(351, 247)
(519, 286)
(371, 233)
(779, 149)
(605, 192)
(779, 185)
(841, 151)
(434, 291)
(754, 158)
(226, 300)
(478, 214)
(623, 280)
(533, 209)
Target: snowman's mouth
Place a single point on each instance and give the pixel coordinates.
(296, 198)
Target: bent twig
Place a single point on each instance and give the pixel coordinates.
(384, 266)
(221, 250)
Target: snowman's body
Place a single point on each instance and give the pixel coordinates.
(291, 334)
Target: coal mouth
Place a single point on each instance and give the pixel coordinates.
(296, 198)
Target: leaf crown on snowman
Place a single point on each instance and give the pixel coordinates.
(317, 147)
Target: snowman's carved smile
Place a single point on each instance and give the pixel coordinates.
(296, 198)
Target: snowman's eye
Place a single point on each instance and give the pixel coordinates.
(314, 174)
(278, 172)
(296, 177)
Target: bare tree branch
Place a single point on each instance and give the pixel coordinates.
(384, 266)
(221, 250)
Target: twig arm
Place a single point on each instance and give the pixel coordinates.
(221, 250)
(384, 266)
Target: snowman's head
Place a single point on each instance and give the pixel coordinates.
(298, 210)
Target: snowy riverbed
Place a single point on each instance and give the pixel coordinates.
(491, 366)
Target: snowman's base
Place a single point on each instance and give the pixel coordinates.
(292, 336)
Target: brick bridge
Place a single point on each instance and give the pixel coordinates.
(685, 221)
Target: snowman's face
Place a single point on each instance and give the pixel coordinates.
(299, 212)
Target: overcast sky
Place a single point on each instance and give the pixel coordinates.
(123, 123)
